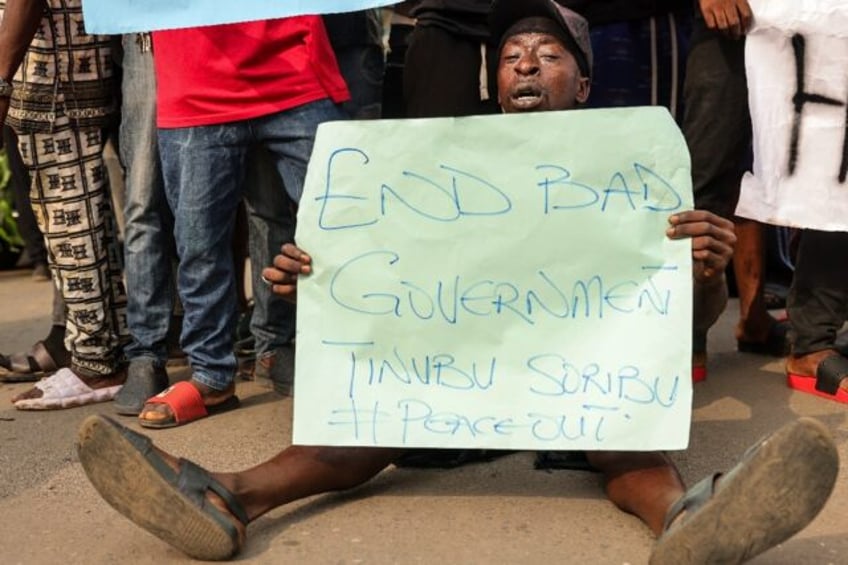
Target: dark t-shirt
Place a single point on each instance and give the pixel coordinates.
(467, 18)
(354, 29)
(606, 11)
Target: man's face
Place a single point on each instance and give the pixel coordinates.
(537, 73)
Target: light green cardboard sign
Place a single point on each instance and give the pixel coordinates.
(499, 282)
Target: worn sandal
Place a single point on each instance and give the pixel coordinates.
(777, 488)
(29, 366)
(172, 505)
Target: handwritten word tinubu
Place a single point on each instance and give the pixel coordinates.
(449, 299)
(442, 370)
(445, 193)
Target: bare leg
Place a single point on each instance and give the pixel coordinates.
(644, 484)
(298, 472)
(749, 269)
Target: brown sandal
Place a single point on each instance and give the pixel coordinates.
(29, 366)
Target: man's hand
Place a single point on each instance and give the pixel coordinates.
(712, 241)
(729, 16)
(288, 266)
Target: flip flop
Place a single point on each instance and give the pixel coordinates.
(777, 488)
(186, 404)
(172, 505)
(29, 366)
(829, 374)
(63, 389)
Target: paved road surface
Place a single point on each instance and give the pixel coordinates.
(501, 512)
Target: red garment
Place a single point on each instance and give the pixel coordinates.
(225, 73)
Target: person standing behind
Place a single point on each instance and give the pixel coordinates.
(148, 232)
(222, 90)
(447, 64)
(57, 93)
(717, 127)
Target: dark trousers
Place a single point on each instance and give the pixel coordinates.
(441, 76)
(818, 300)
(20, 182)
(716, 125)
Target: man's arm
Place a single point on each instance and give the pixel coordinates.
(18, 27)
(729, 16)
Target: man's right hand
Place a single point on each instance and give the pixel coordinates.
(733, 17)
(288, 266)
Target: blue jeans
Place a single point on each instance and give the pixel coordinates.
(271, 223)
(204, 169)
(149, 248)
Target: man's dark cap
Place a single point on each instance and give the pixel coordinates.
(505, 13)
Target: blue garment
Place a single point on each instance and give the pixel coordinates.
(271, 223)
(631, 69)
(149, 249)
(204, 170)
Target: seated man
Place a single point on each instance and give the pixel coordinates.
(544, 65)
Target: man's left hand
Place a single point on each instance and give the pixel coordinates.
(713, 240)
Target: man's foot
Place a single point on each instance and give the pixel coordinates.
(69, 387)
(822, 373)
(44, 356)
(173, 499)
(145, 378)
(278, 367)
(777, 488)
(184, 402)
(769, 337)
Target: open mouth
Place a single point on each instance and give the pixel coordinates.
(527, 94)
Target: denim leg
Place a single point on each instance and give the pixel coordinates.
(203, 169)
(149, 249)
(270, 224)
(288, 137)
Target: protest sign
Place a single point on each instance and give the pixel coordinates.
(498, 281)
(797, 67)
(130, 16)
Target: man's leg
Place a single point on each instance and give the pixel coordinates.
(210, 522)
(203, 167)
(718, 132)
(818, 307)
(70, 198)
(288, 137)
(271, 223)
(644, 484)
(148, 234)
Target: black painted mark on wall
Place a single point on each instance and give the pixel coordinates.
(802, 97)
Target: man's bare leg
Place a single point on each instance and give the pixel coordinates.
(749, 260)
(301, 471)
(644, 484)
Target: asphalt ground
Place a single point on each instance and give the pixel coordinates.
(499, 512)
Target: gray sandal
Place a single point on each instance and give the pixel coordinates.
(777, 488)
(132, 477)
